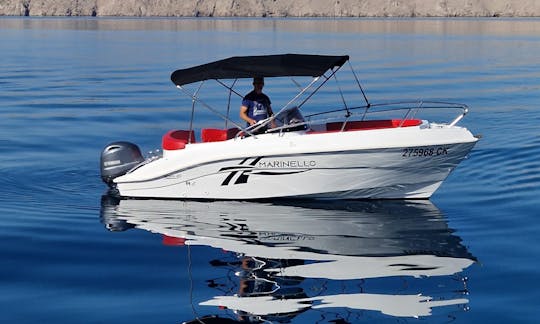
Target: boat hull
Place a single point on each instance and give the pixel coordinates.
(342, 165)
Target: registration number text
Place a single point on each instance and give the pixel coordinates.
(424, 151)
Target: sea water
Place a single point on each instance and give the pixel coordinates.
(69, 86)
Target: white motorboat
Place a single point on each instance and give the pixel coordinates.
(319, 148)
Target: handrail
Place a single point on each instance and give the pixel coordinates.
(458, 118)
(407, 106)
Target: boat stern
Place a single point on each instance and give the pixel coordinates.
(117, 159)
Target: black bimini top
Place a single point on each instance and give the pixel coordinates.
(259, 66)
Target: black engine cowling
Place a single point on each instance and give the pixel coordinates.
(117, 159)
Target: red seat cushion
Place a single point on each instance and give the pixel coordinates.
(372, 124)
(217, 135)
(177, 139)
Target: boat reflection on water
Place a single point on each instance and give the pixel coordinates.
(328, 261)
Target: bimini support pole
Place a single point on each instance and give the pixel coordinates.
(193, 111)
(229, 101)
(194, 98)
(359, 85)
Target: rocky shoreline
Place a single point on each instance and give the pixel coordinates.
(272, 8)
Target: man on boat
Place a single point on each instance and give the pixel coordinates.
(256, 106)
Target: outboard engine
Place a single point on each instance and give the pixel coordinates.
(117, 159)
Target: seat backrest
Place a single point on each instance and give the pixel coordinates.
(177, 139)
(213, 135)
(217, 135)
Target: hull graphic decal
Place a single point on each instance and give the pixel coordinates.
(243, 170)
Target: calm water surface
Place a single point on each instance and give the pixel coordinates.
(70, 254)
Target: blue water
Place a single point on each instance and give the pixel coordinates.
(70, 86)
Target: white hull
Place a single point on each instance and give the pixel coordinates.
(396, 163)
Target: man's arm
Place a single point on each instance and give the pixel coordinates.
(244, 116)
(270, 114)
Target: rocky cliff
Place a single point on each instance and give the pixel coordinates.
(273, 8)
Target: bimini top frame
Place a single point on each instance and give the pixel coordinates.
(284, 65)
